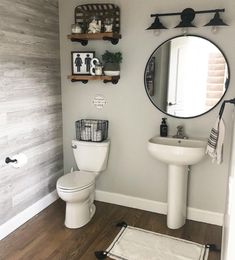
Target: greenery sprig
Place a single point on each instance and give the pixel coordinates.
(112, 57)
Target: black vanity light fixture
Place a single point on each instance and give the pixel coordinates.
(187, 17)
(216, 21)
(156, 25)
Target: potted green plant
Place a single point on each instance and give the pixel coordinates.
(112, 62)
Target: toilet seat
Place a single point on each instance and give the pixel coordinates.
(75, 181)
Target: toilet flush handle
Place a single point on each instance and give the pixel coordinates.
(74, 146)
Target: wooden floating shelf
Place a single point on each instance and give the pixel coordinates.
(83, 38)
(85, 78)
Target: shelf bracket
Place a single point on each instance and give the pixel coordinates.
(114, 41)
(114, 81)
(79, 80)
(83, 42)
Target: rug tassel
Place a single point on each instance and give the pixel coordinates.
(122, 224)
(212, 247)
(101, 254)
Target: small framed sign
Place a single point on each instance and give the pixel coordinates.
(81, 62)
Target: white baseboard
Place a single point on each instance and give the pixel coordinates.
(18, 220)
(158, 207)
(114, 198)
(210, 217)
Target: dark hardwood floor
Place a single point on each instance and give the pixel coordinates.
(45, 237)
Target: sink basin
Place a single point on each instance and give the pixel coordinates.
(177, 151)
(178, 154)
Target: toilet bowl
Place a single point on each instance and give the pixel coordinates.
(77, 188)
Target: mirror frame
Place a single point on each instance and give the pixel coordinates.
(181, 117)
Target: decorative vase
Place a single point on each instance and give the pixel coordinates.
(112, 69)
(76, 28)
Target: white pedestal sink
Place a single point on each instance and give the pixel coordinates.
(178, 154)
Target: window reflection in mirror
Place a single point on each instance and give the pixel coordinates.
(186, 76)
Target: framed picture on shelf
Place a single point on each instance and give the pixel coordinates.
(81, 62)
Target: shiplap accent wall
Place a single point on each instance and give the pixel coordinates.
(30, 102)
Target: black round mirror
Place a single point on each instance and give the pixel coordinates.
(186, 76)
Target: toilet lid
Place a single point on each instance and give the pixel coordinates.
(75, 180)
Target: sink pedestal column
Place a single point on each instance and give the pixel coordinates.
(177, 196)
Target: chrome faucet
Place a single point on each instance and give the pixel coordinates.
(180, 133)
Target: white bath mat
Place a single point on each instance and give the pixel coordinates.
(138, 244)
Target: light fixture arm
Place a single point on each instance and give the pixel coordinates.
(196, 12)
(187, 16)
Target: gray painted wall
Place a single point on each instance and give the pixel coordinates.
(133, 119)
(30, 102)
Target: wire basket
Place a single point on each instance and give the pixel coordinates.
(91, 130)
(84, 13)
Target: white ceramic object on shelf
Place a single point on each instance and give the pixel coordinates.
(76, 28)
(178, 154)
(111, 73)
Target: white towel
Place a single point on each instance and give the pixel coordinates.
(216, 140)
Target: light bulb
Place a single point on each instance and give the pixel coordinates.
(156, 32)
(184, 30)
(214, 29)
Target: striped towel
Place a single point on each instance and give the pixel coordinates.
(216, 140)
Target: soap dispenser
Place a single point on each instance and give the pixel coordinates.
(163, 128)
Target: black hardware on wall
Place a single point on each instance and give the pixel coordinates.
(9, 160)
(187, 16)
(231, 101)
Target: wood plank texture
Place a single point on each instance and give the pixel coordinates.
(45, 237)
(30, 102)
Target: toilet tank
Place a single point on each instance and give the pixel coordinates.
(91, 156)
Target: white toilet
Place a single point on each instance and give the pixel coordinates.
(77, 188)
